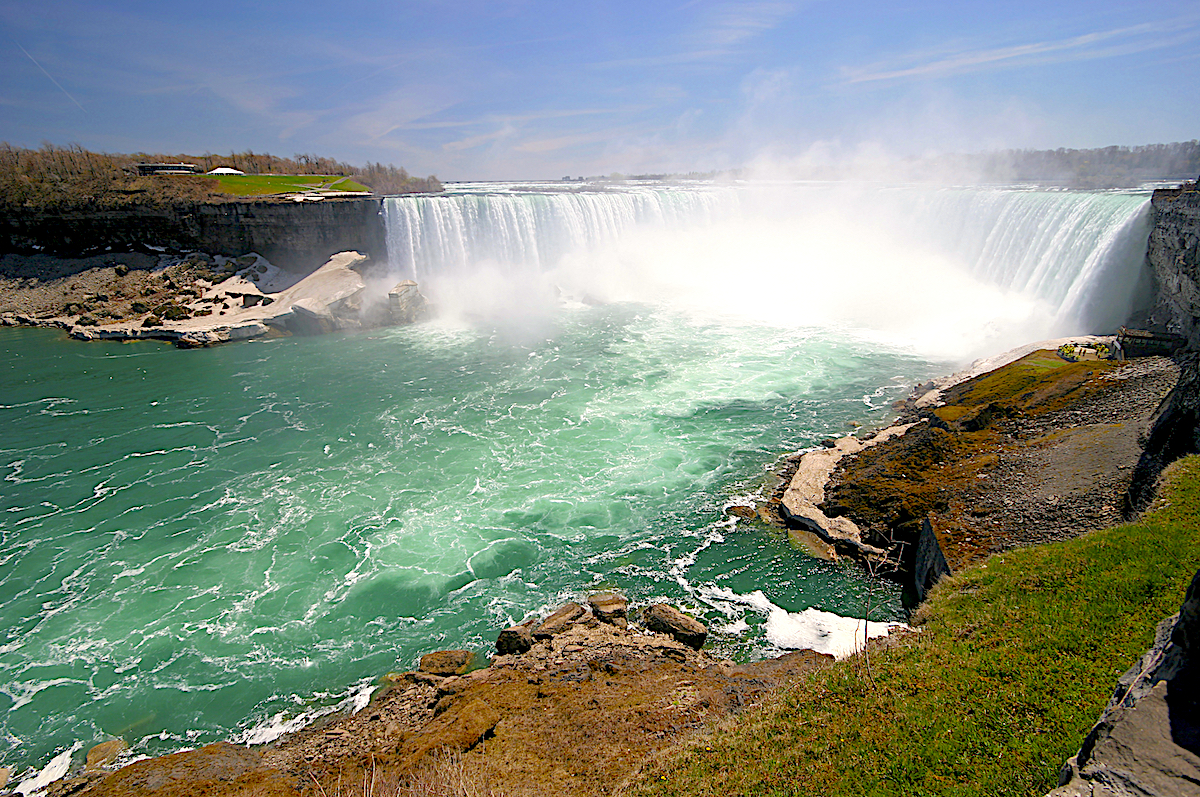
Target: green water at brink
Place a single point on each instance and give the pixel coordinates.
(202, 544)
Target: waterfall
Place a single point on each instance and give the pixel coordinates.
(430, 235)
(1022, 262)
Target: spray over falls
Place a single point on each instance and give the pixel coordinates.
(950, 271)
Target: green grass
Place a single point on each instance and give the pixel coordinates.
(1017, 657)
(267, 184)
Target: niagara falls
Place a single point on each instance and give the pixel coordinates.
(229, 542)
(526, 399)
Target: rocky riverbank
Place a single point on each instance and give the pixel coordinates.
(199, 300)
(1035, 451)
(586, 697)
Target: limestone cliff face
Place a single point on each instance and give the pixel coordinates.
(1174, 254)
(298, 236)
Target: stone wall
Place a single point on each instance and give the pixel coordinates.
(1174, 254)
(298, 236)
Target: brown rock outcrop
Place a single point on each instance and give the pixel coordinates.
(559, 621)
(446, 662)
(609, 607)
(663, 619)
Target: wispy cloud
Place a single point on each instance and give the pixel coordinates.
(1088, 46)
(730, 25)
(719, 33)
(543, 145)
(534, 116)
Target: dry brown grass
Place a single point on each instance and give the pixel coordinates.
(443, 774)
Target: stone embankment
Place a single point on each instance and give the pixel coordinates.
(584, 696)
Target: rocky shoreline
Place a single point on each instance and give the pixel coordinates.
(586, 695)
(1037, 451)
(200, 300)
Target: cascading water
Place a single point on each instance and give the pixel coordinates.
(1025, 263)
(191, 559)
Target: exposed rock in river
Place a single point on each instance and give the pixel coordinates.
(664, 619)
(806, 491)
(447, 662)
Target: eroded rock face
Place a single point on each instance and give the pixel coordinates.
(514, 641)
(406, 304)
(609, 607)
(559, 621)
(446, 662)
(800, 506)
(1147, 742)
(105, 753)
(663, 619)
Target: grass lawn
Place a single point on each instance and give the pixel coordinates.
(1016, 658)
(267, 184)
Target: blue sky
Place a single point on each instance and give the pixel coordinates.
(522, 89)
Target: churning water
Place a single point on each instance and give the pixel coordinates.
(221, 543)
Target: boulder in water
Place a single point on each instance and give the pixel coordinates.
(406, 304)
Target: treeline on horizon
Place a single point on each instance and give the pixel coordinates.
(66, 177)
(1105, 167)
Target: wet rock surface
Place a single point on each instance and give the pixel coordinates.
(446, 662)
(664, 619)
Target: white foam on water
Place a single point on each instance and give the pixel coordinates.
(810, 629)
(283, 722)
(55, 770)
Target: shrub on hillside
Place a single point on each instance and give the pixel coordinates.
(171, 311)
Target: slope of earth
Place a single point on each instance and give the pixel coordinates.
(1016, 658)
(1036, 451)
(584, 710)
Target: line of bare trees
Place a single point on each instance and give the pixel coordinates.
(71, 176)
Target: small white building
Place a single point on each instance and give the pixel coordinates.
(224, 170)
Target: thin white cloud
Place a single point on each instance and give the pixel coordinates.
(734, 23)
(1088, 46)
(719, 33)
(555, 143)
(535, 116)
(672, 59)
